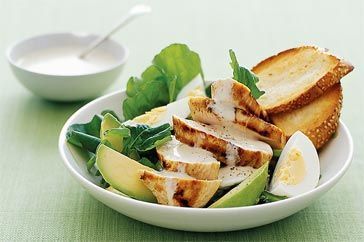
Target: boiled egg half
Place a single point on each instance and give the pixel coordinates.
(298, 168)
(162, 115)
(194, 88)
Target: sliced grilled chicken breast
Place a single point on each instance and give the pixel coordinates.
(196, 162)
(228, 144)
(208, 111)
(179, 189)
(235, 94)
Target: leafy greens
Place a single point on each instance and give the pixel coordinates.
(267, 197)
(277, 153)
(86, 136)
(245, 76)
(103, 113)
(138, 142)
(143, 140)
(172, 69)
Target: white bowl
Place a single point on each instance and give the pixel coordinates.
(335, 159)
(66, 87)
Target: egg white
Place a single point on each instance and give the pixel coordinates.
(194, 88)
(302, 143)
(164, 114)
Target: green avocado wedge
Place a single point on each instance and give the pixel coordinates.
(122, 173)
(246, 193)
(111, 189)
(110, 122)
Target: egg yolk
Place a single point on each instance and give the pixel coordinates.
(196, 92)
(292, 170)
(152, 116)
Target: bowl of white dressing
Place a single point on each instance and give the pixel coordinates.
(50, 67)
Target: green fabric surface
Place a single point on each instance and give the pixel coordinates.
(39, 200)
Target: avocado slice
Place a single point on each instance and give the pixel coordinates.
(247, 192)
(122, 173)
(111, 189)
(110, 122)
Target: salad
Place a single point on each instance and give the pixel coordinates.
(186, 142)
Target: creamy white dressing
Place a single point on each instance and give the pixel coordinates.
(232, 154)
(224, 110)
(232, 175)
(171, 185)
(177, 151)
(181, 167)
(221, 92)
(171, 174)
(199, 139)
(64, 61)
(171, 180)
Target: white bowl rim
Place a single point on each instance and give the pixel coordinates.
(320, 189)
(15, 44)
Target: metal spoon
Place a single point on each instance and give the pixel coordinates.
(134, 12)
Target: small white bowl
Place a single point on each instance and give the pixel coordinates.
(335, 159)
(66, 87)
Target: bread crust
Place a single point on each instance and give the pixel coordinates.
(319, 128)
(318, 88)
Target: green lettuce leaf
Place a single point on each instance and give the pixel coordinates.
(111, 112)
(146, 94)
(91, 162)
(122, 132)
(172, 69)
(86, 136)
(180, 65)
(142, 143)
(156, 166)
(267, 197)
(144, 138)
(245, 76)
(139, 142)
(208, 90)
(277, 153)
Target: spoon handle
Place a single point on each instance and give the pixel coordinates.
(133, 13)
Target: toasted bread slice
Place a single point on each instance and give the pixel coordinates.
(206, 110)
(237, 95)
(196, 162)
(176, 189)
(229, 145)
(295, 77)
(318, 120)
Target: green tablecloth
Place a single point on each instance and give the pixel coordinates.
(38, 198)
